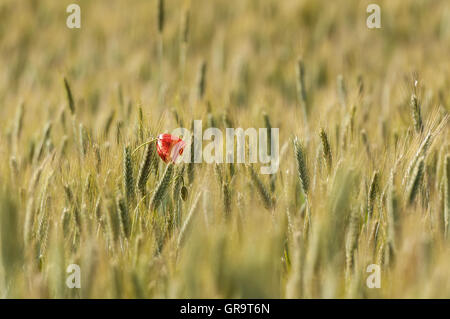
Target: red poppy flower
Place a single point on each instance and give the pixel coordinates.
(170, 147)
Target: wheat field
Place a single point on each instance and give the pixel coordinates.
(364, 167)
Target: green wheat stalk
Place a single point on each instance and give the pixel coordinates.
(373, 191)
(128, 179)
(70, 101)
(261, 188)
(415, 113)
(162, 187)
(416, 180)
(300, 156)
(145, 168)
(326, 149)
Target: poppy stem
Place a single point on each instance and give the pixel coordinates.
(143, 144)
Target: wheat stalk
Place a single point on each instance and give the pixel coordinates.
(261, 188)
(300, 156)
(128, 179)
(70, 101)
(373, 191)
(145, 168)
(416, 114)
(326, 150)
(415, 181)
(162, 187)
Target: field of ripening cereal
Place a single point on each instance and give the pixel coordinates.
(91, 195)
